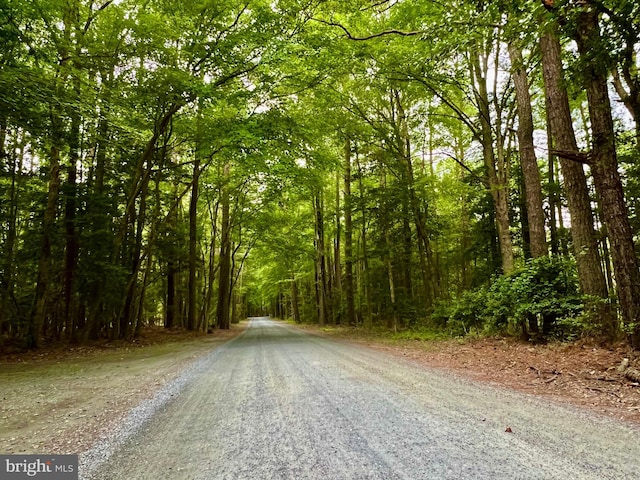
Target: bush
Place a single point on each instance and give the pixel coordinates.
(537, 301)
(467, 312)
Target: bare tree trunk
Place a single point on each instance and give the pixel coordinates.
(224, 276)
(604, 164)
(562, 139)
(348, 238)
(530, 169)
(192, 312)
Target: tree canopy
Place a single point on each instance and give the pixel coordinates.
(415, 164)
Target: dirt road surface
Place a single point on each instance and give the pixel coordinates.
(278, 403)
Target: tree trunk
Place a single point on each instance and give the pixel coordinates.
(392, 320)
(631, 99)
(138, 178)
(365, 280)
(321, 268)
(562, 139)
(604, 164)
(208, 294)
(8, 311)
(429, 274)
(143, 292)
(528, 161)
(224, 275)
(337, 291)
(348, 238)
(98, 218)
(554, 197)
(72, 241)
(170, 314)
(128, 315)
(497, 172)
(192, 312)
(295, 301)
(38, 312)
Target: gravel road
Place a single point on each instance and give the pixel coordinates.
(277, 403)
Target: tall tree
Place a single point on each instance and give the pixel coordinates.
(604, 165)
(224, 275)
(563, 143)
(528, 161)
(348, 237)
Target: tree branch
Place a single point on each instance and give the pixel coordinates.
(368, 37)
(221, 33)
(580, 157)
(463, 117)
(93, 16)
(482, 180)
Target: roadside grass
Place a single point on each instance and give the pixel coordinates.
(379, 334)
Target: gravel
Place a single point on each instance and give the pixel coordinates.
(101, 452)
(277, 403)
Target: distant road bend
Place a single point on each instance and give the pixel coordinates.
(277, 403)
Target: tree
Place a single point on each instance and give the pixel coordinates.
(530, 169)
(604, 165)
(353, 162)
(562, 139)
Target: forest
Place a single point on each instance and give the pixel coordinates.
(462, 166)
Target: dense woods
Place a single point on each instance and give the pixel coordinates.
(464, 166)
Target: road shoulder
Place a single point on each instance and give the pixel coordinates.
(63, 401)
(579, 373)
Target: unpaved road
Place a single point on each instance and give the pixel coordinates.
(277, 403)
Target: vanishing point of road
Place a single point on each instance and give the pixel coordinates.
(279, 403)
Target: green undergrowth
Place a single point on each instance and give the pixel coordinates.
(538, 302)
(379, 333)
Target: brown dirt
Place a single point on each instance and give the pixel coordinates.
(578, 373)
(61, 399)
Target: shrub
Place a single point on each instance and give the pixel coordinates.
(538, 300)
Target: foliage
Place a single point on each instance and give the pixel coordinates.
(541, 297)
(144, 146)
